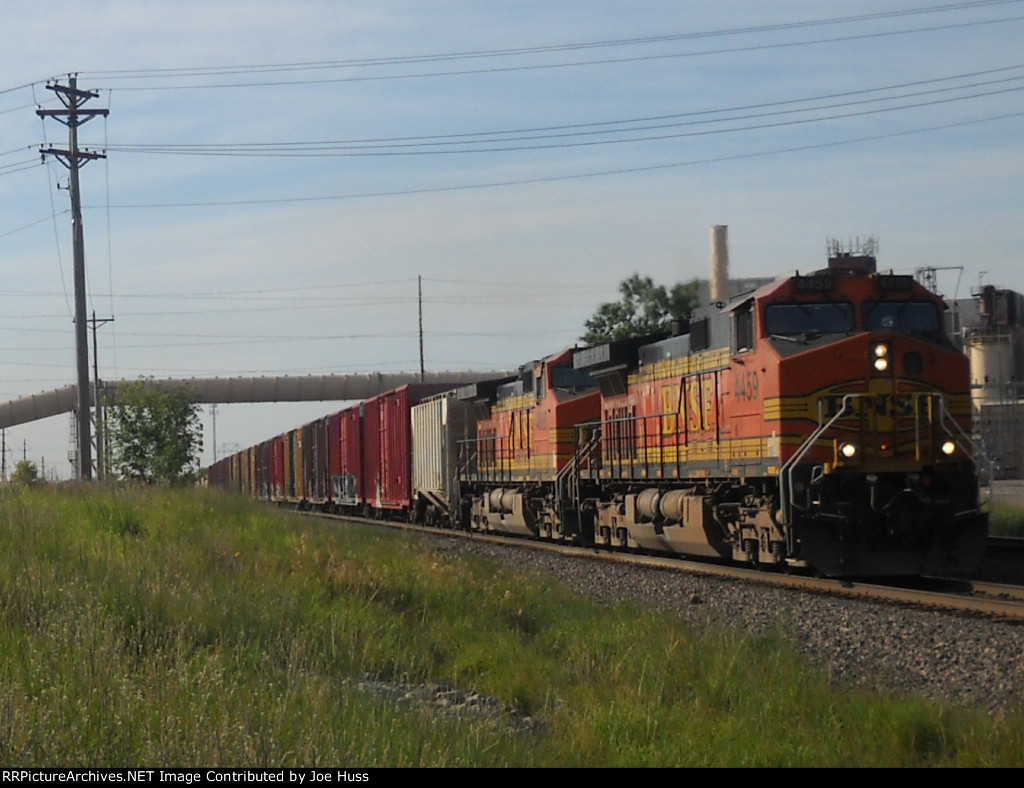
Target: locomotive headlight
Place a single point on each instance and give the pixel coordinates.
(848, 450)
(880, 352)
(948, 447)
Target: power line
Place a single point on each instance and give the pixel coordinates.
(555, 48)
(21, 166)
(206, 71)
(578, 175)
(691, 116)
(400, 148)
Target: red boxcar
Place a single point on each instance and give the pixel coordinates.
(276, 472)
(386, 482)
(344, 435)
(219, 474)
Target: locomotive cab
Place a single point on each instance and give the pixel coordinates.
(879, 472)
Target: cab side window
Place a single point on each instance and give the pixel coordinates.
(743, 327)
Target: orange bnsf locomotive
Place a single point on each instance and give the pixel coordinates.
(519, 475)
(821, 421)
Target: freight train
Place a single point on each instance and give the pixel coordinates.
(821, 421)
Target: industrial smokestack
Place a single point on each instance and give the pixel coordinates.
(719, 263)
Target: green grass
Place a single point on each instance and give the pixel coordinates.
(1007, 519)
(146, 627)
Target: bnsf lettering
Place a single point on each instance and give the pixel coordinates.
(693, 401)
(880, 404)
(708, 395)
(670, 403)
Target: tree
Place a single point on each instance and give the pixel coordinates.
(154, 433)
(26, 474)
(645, 308)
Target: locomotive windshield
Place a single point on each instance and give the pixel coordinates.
(790, 320)
(907, 317)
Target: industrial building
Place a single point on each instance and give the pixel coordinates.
(990, 328)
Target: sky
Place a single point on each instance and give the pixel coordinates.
(280, 176)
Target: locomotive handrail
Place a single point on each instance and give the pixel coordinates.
(978, 455)
(652, 448)
(567, 477)
(957, 434)
(786, 472)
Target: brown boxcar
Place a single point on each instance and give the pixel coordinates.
(263, 486)
(219, 474)
(316, 463)
(295, 483)
(278, 475)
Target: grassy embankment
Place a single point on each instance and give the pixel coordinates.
(151, 628)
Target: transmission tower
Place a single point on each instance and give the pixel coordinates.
(73, 116)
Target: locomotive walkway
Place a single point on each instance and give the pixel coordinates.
(314, 388)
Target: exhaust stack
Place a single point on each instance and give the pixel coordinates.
(719, 263)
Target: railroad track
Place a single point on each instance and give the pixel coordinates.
(1007, 545)
(979, 598)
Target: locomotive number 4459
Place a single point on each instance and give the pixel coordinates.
(745, 386)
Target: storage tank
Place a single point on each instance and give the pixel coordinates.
(992, 366)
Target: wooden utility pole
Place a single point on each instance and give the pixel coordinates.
(213, 413)
(73, 158)
(419, 290)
